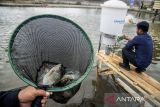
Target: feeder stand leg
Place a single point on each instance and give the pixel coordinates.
(113, 77)
(100, 39)
(156, 13)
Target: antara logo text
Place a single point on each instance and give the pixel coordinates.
(112, 99)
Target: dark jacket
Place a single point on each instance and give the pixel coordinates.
(9, 98)
(143, 48)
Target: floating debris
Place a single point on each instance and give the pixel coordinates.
(130, 19)
(7, 61)
(6, 50)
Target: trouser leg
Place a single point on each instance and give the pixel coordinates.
(128, 56)
(125, 59)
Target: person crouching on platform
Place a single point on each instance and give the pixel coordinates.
(138, 51)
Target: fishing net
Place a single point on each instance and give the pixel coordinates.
(43, 42)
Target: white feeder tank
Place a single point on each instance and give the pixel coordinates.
(113, 17)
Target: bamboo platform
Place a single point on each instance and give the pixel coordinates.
(149, 87)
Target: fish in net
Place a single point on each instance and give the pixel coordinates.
(50, 75)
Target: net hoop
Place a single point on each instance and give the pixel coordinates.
(54, 89)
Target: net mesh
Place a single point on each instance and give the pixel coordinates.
(49, 39)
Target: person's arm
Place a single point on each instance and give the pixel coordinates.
(128, 37)
(131, 43)
(22, 97)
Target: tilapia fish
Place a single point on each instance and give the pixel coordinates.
(70, 75)
(53, 76)
(50, 75)
(43, 71)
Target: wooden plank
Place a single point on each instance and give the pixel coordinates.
(143, 75)
(137, 79)
(132, 92)
(131, 82)
(128, 73)
(100, 64)
(156, 4)
(106, 72)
